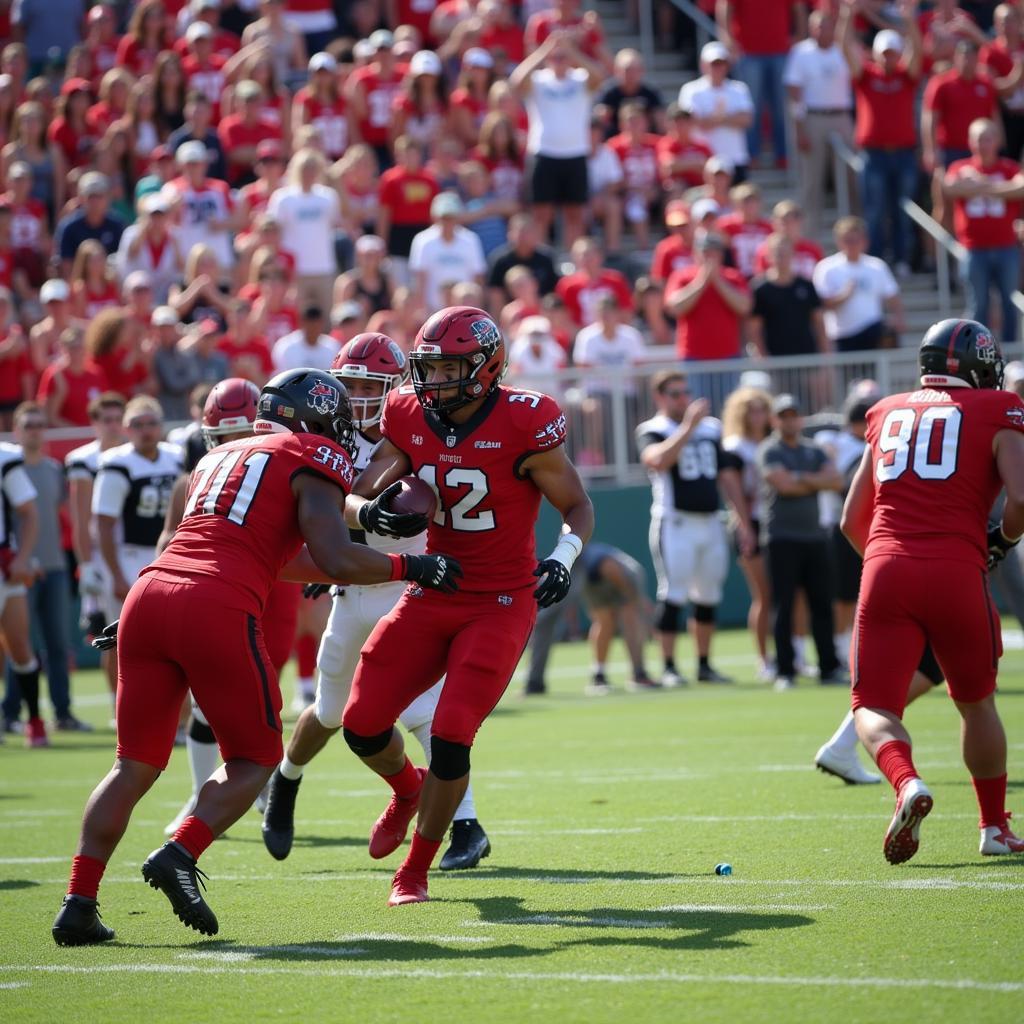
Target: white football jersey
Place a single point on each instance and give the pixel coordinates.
(361, 458)
(17, 490)
(136, 491)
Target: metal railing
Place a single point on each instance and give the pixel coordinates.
(705, 26)
(947, 248)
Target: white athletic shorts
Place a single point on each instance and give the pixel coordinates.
(9, 590)
(133, 560)
(354, 613)
(691, 557)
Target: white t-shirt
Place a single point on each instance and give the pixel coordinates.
(531, 370)
(307, 222)
(444, 263)
(593, 347)
(821, 74)
(703, 99)
(603, 169)
(293, 352)
(559, 114)
(874, 284)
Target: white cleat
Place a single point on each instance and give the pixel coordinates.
(998, 840)
(845, 766)
(190, 806)
(783, 683)
(913, 805)
(766, 672)
(671, 679)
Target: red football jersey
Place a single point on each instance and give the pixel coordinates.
(240, 523)
(982, 222)
(935, 475)
(486, 510)
(329, 119)
(746, 239)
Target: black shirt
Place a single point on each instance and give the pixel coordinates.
(539, 261)
(786, 311)
(73, 230)
(217, 167)
(613, 97)
(690, 484)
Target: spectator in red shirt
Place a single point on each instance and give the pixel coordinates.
(501, 34)
(745, 228)
(202, 67)
(759, 34)
(675, 250)
(406, 192)
(885, 89)
(581, 290)
(207, 12)
(70, 383)
(788, 221)
(637, 151)
(1000, 57)
(146, 36)
(240, 134)
(246, 349)
(469, 99)
(709, 301)
(421, 109)
(371, 91)
(93, 282)
(566, 14)
(500, 153)
(953, 100)
(70, 128)
(986, 189)
(113, 351)
(30, 235)
(681, 157)
(101, 38)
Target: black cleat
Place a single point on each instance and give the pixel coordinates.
(78, 923)
(279, 817)
(173, 871)
(706, 674)
(469, 846)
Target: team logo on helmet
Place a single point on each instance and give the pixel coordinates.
(324, 399)
(485, 331)
(985, 346)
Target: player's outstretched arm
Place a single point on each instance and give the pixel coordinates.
(556, 478)
(860, 503)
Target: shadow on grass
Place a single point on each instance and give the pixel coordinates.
(568, 876)
(310, 842)
(8, 884)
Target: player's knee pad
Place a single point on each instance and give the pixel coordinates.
(704, 613)
(32, 665)
(669, 615)
(448, 761)
(200, 732)
(367, 746)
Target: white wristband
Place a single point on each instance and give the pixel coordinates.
(567, 550)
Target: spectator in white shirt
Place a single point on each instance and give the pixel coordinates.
(308, 212)
(534, 356)
(445, 254)
(856, 291)
(721, 107)
(817, 80)
(307, 346)
(611, 344)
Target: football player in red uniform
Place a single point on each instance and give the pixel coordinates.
(918, 511)
(192, 621)
(490, 453)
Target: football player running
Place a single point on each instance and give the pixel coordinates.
(490, 453)
(918, 510)
(370, 366)
(192, 621)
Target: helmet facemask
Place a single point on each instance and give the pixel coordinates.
(467, 387)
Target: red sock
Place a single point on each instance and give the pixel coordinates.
(421, 853)
(896, 764)
(405, 783)
(305, 654)
(194, 835)
(991, 794)
(86, 873)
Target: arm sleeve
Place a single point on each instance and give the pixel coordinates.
(17, 487)
(645, 438)
(77, 471)
(111, 491)
(729, 460)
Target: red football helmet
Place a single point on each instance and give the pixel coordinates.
(469, 335)
(230, 409)
(375, 357)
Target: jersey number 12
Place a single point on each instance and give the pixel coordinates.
(925, 440)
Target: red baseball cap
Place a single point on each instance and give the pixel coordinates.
(270, 149)
(75, 85)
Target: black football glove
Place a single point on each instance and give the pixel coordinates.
(312, 591)
(435, 572)
(376, 516)
(998, 545)
(107, 639)
(555, 584)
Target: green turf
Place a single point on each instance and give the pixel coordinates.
(599, 902)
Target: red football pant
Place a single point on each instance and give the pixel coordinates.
(280, 614)
(905, 602)
(477, 639)
(177, 634)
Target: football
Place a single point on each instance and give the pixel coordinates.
(416, 496)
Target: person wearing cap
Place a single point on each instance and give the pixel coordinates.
(422, 109)
(628, 86)
(204, 209)
(48, 28)
(675, 250)
(175, 371)
(535, 356)
(445, 253)
(371, 92)
(276, 31)
(885, 91)
(788, 220)
(70, 129)
(721, 107)
(820, 94)
(149, 246)
(708, 301)
(557, 83)
(241, 133)
(309, 214)
(92, 220)
(307, 346)
(30, 233)
(794, 471)
(225, 42)
(857, 291)
(70, 382)
(469, 98)
(198, 127)
(101, 38)
(681, 155)
(320, 103)
(44, 336)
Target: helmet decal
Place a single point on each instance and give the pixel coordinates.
(324, 398)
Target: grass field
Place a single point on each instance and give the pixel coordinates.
(598, 903)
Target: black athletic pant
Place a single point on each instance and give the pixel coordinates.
(795, 564)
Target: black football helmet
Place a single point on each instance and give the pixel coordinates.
(306, 401)
(962, 349)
